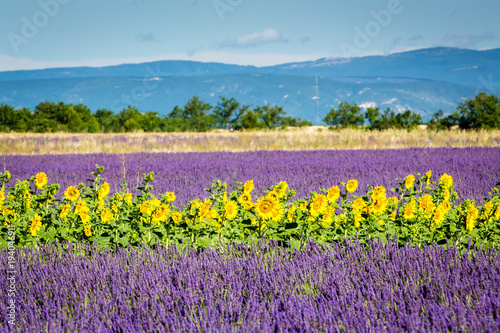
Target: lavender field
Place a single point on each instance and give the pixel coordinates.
(338, 288)
(475, 170)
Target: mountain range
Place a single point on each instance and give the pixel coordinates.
(423, 81)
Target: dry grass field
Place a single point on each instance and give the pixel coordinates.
(309, 138)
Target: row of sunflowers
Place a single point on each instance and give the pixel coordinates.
(418, 210)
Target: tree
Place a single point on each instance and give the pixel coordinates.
(408, 120)
(271, 117)
(193, 117)
(129, 119)
(107, 121)
(483, 111)
(250, 120)
(346, 116)
(150, 122)
(374, 117)
(226, 113)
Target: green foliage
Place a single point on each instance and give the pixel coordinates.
(346, 116)
(420, 211)
(483, 111)
(389, 119)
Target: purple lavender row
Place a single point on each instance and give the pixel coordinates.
(475, 170)
(262, 289)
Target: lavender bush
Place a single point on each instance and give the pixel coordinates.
(475, 170)
(266, 288)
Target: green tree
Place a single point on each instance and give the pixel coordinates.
(193, 117)
(483, 111)
(374, 117)
(250, 120)
(129, 119)
(150, 122)
(227, 113)
(346, 116)
(270, 117)
(106, 120)
(408, 120)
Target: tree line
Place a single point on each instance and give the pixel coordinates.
(195, 116)
(482, 111)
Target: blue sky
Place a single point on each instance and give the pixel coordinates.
(56, 33)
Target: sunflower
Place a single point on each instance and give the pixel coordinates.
(159, 215)
(291, 212)
(318, 205)
(280, 190)
(378, 191)
(409, 211)
(278, 213)
(446, 181)
(231, 209)
(101, 205)
(86, 229)
(36, 224)
(154, 203)
(212, 214)
(81, 207)
(171, 196)
(248, 205)
(438, 216)
(176, 217)
(488, 208)
(40, 180)
(326, 220)
(357, 219)
(351, 185)
(71, 193)
(106, 215)
(427, 206)
(471, 217)
(204, 209)
(65, 211)
(104, 191)
(333, 194)
(497, 213)
(84, 217)
(379, 204)
(409, 181)
(144, 208)
(327, 217)
(358, 205)
(425, 201)
(266, 206)
(244, 198)
(273, 194)
(248, 187)
(128, 198)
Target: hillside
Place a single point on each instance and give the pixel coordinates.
(423, 80)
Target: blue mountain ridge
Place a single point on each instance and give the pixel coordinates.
(424, 81)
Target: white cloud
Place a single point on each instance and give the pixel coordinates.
(265, 36)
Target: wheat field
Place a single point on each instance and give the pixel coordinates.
(308, 138)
